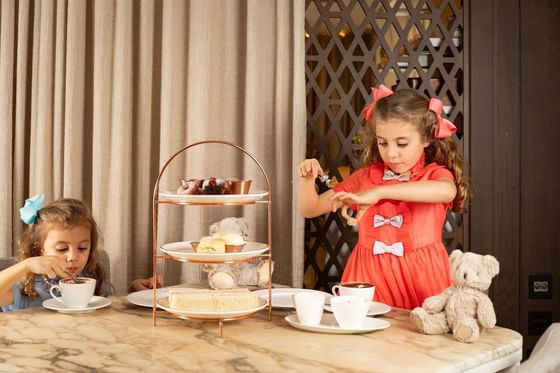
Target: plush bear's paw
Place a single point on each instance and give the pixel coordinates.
(465, 333)
(417, 317)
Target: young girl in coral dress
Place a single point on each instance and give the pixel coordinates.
(411, 175)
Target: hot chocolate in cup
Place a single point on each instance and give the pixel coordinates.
(76, 292)
(361, 289)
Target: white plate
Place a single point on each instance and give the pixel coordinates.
(375, 308)
(164, 304)
(95, 303)
(329, 325)
(282, 297)
(212, 198)
(144, 297)
(184, 250)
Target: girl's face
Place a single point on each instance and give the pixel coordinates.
(71, 244)
(400, 144)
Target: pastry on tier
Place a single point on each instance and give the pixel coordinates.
(210, 245)
(220, 243)
(211, 185)
(206, 300)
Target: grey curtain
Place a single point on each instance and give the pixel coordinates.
(96, 95)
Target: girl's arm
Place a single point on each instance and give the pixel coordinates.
(310, 203)
(46, 265)
(428, 191)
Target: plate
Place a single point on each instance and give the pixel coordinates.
(329, 325)
(144, 297)
(95, 303)
(163, 303)
(282, 297)
(375, 308)
(184, 250)
(212, 198)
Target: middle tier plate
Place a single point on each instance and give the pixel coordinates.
(184, 250)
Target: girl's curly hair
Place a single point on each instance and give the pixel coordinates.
(61, 214)
(411, 106)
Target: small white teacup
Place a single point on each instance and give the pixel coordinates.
(350, 311)
(76, 293)
(360, 289)
(309, 307)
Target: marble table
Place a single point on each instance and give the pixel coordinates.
(121, 338)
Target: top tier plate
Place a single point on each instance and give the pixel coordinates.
(212, 198)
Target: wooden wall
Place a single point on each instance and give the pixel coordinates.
(514, 107)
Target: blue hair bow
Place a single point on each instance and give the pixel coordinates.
(28, 213)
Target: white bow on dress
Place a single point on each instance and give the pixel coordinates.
(381, 248)
(379, 221)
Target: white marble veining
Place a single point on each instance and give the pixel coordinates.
(121, 338)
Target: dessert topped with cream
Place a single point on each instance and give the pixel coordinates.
(220, 243)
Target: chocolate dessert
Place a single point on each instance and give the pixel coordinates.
(211, 185)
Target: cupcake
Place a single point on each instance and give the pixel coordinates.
(234, 241)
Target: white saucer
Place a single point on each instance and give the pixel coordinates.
(329, 325)
(282, 297)
(375, 308)
(144, 298)
(95, 303)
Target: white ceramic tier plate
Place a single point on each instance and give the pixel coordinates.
(95, 303)
(144, 298)
(375, 308)
(329, 325)
(164, 304)
(184, 250)
(212, 198)
(282, 297)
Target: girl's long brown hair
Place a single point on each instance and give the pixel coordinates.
(61, 214)
(411, 106)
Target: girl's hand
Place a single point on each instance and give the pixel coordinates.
(355, 220)
(145, 283)
(343, 200)
(367, 198)
(310, 168)
(51, 266)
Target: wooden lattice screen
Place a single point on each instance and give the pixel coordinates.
(351, 46)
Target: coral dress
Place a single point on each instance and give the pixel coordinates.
(399, 247)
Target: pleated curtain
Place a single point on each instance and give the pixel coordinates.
(97, 95)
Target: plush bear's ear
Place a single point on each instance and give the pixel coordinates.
(492, 264)
(455, 254)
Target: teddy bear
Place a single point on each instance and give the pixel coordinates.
(229, 276)
(463, 308)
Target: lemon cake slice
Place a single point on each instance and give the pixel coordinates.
(211, 245)
(206, 300)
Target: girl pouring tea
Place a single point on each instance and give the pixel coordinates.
(411, 175)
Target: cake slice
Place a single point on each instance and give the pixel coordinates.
(211, 245)
(206, 300)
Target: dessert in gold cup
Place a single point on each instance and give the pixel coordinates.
(220, 243)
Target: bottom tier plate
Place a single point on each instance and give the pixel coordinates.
(164, 304)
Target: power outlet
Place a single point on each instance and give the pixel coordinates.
(540, 287)
(538, 322)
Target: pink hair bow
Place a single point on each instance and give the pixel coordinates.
(378, 94)
(444, 128)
